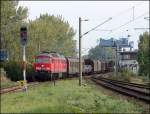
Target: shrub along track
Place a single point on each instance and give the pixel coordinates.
(138, 91)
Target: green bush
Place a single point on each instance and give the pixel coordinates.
(127, 74)
(14, 70)
(123, 75)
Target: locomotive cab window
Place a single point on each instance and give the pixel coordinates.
(42, 60)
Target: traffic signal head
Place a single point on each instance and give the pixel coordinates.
(23, 35)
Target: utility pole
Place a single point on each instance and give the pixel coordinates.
(133, 12)
(80, 38)
(116, 59)
(80, 59)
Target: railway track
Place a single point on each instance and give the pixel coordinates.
(138, 91)
(15, 88)
(19, 88)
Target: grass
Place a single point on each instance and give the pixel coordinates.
(124, 75)
(8, 84)
(66, 97)
(5, 82)
(128, 76)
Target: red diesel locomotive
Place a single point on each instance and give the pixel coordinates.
(48, 64)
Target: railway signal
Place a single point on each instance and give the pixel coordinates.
(23, 35)
(23, 38)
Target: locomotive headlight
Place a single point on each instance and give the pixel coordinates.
(38, 68)
(47, 68)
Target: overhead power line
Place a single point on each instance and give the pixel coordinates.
(127, 10)
(127, 22)
(97, 26)
(102, 30)
(140, 28)
(123, 12)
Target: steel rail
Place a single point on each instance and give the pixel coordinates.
(130, 87)
(128, 83)
(123, 89)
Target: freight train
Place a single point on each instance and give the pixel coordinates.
(50, 65)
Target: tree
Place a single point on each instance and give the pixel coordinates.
(51, 33)
(99, 52)
(47, 32)
(11, 20)
(144, 54)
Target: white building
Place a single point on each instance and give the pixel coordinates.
(128, 59)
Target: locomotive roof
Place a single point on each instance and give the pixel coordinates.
(50, 54)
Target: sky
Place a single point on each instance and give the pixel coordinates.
(96, 12)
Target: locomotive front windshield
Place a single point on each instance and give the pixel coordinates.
(42, 60)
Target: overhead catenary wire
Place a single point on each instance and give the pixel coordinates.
(140, 28)
(121, 13)
(127, 23)
(102, 30)
(126, 10)
(133, 19)
(97, 26)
